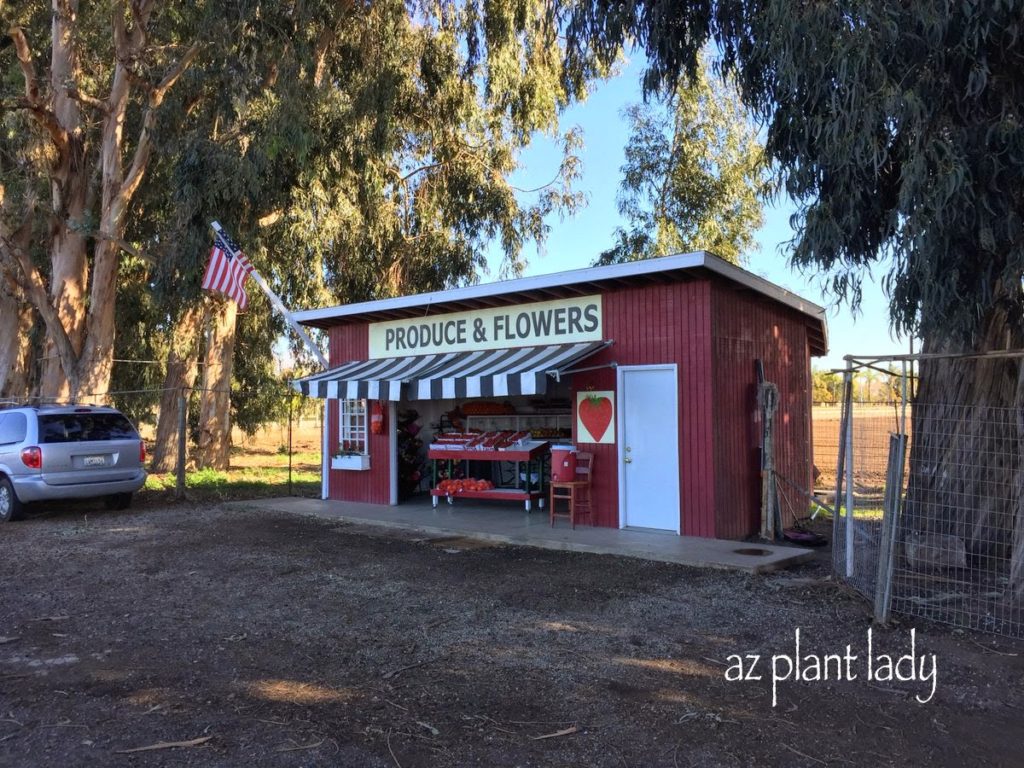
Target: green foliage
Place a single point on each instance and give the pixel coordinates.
(826, 387)
(258, 393)
(897, 127)
(251, 482)
(694, 177)
(206, 478)
(355, 150)
(372, 166)
(140, 350)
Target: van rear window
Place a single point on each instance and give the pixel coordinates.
(80, 427)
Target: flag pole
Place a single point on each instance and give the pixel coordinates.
(280, 307)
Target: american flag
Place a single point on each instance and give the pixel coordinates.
(227, 270)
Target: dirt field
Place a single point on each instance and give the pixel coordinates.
(871, 427)
(280, 640)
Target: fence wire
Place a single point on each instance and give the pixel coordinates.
(949, 544)
(175, 450)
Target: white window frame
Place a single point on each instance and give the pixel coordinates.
(354, 427)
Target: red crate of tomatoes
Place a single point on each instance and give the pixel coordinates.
(456, 486)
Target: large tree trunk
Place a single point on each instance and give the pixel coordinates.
(79, 353)
(69, 184)
(17, 355)
(215, 402)
(964, 486)
(182, 368)
(97, 355)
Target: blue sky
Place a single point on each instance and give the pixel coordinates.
(575, 242)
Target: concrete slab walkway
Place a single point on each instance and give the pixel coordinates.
(502, 523)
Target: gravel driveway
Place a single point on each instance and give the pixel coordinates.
(254, 638)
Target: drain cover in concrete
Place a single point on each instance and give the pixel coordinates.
(753, 552)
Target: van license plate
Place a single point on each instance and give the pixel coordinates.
(94, 461)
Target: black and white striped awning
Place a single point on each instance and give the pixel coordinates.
(489, 373)
(500, 372)
(373, 379)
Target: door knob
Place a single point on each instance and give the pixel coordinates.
(627, 460)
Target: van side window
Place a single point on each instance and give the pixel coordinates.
(13, 428)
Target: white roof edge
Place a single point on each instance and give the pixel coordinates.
(574, 276)
(767, 287)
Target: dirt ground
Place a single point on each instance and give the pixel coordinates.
(269, 639)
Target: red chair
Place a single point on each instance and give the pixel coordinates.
(576, 492)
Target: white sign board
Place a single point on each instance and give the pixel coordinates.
(564, 321)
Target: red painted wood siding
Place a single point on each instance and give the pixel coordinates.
(746, 328)
(351, 342)
(650, 325)
(713, 334)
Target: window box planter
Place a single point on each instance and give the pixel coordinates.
(356, 461)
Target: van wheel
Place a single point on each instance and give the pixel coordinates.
(119, 501)
(10, 507)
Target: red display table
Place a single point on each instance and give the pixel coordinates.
(534, 453)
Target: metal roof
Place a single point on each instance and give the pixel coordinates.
(580, 282)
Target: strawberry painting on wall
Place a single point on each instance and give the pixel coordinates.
(595, 417)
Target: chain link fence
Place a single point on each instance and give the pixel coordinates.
(930, 504)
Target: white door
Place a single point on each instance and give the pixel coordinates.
(648, 447)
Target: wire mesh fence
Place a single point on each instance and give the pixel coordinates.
(281, 455)
(931, 510)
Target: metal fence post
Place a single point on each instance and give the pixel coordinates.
(840, 466)
(291, 400)
(890, 525)
(179, 470)
(325, 456)
(848, 380)
(891, 509)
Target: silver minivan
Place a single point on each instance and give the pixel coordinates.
(52, 452)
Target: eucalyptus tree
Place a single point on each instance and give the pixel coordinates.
(694, 176)
(898, 130)
(82, 130)
(355, 149)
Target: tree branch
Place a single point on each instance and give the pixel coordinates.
(323, 46)
(24, 273)
(125, 246)
(28, 71)
(421, 169)
(144, 146)
(157, 96)
(326, 39)
(43, 115)
(542, 187)
(270, 219)
(141, 10)
(121, 46)
(92, 101)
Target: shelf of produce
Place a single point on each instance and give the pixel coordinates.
(528, 452)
